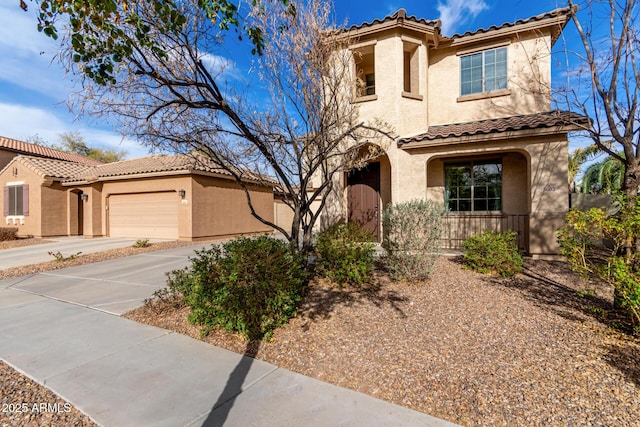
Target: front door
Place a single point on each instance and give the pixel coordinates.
(363, 195)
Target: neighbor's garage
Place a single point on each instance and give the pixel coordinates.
(145, 215)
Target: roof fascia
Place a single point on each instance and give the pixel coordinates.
(557, 22)
(488, 137)
(397, 24)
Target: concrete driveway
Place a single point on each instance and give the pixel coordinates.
(34, 254)
(114, 286)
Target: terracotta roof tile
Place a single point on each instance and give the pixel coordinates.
(155, 164)
(29, 149)
(148, 165)
(504, 124)
(565, 11)
(399, 14)
(53, 168)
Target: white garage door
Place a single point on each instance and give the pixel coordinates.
(153, 215)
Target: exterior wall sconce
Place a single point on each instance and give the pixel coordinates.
(84, 197)
(182, 193)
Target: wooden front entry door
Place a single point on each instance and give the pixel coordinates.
(363, 195)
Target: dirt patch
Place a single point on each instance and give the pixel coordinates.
(536, 349)
(10, 244)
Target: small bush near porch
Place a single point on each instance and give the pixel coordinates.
(493, 252)
(345, 254)
(412, 233)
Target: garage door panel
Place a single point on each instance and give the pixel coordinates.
(153, 215)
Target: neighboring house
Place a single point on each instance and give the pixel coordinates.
(10, 148)
(475, 124)
(171, 197)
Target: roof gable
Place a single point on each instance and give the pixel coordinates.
(399, 19)
(50, 168)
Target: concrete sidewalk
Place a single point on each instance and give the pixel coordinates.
(59, 328)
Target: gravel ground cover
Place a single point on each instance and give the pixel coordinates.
(541, 348)
(8, 244)
(25, 403)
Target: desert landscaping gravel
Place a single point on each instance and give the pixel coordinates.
(539, 349)
(543, 348)
(25, 403)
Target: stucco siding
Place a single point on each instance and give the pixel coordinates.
(220, 208)
(54, 210)
(33, 222)
(528, 82)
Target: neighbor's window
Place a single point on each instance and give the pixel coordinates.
(14, 200)
(474, 186)
(365, 71)
(483, 71)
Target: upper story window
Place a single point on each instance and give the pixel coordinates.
(364, 59)
(484, 71)
(16, 200)
(474, 186)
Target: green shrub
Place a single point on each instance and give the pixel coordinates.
(345, 254)
(491, 251)
(8, 233)
(250, 286)
(61, 258)
(412, 233)
(142, 243)
(618, 262)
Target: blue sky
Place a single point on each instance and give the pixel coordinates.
(34, 88)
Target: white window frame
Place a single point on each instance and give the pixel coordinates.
(484, 67)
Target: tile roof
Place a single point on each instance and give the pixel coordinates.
(71, 172)
(148, 165)
(504, 124)
(561, 12)
(399, 14)
(158, 164)
(29, 149)
(53, 168)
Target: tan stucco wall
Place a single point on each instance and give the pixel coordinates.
(220, 208)
(54, 210)
(529, 76)
(212, 207)
(534, 180)
(33, 222)
(406, 115)
(528, 81)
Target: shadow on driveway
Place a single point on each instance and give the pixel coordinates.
(222, 407)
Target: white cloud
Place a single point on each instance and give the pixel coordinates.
(22, 122)
(27, 55)
(455, 13)
(219, 66)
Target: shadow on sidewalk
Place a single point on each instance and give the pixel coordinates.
(233, 388)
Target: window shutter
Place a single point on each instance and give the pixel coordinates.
(5, 201)
(25, 200)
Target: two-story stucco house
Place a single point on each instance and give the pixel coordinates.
(475, 122)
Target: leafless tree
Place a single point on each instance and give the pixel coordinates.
(170, 96)
(604, 86)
